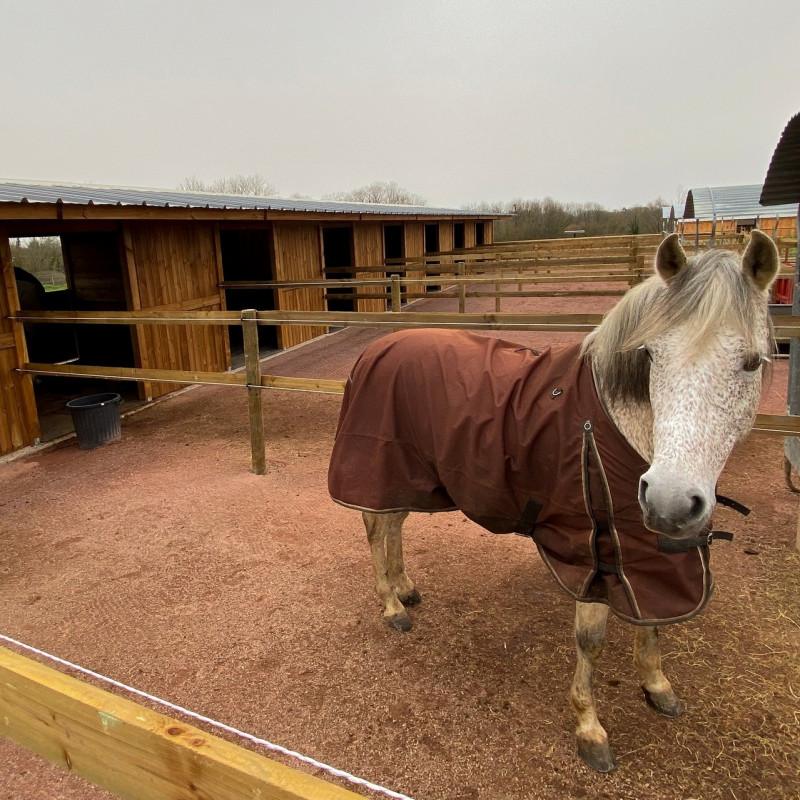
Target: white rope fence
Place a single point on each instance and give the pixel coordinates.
(338, 773)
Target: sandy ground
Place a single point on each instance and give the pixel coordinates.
(162, 561)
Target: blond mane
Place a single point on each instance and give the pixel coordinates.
(708, 296)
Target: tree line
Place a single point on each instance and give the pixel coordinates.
(550, 219)
(41, 256)
(531, 219)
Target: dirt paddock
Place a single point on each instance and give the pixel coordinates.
(163, 562)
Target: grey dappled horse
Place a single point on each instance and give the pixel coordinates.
(677, 366)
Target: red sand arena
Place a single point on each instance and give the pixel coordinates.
(163, 562)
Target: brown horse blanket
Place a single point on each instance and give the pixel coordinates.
(519, 441)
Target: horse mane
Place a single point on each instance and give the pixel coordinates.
(710, 294)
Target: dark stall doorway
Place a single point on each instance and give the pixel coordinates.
(337, 251)
(88, 277)
(480, 235)
(247, 256)
(394, 247)
(458, 236)
(431, 246)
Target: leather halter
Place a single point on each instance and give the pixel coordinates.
(666, 544)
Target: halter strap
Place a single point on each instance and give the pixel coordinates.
(726, 501)
(666, 544)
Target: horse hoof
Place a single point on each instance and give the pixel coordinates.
(399, 622)
(413, 598)
(598, 755)
(666, 703)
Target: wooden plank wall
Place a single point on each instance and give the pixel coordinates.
(445, 236)
(19, 423)
(785, 226)
(368, 252)
(469, 233)
(298, 256)
(177, 268)
(415, 248)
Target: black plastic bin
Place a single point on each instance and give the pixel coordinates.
(96, 419)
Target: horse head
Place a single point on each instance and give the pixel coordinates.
(685, 352)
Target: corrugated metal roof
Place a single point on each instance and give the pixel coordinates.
(782, 184)
(90, 194)
(731, 202)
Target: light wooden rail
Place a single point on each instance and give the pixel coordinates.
(133, 752)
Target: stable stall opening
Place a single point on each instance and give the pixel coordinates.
(458, 236)
(73, 272)
(394, 247)
(337, 253)
(247, 256)
(480, 234)
(431, 246)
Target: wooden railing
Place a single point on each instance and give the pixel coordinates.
(254, 381)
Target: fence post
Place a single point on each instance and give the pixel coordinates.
(254, 402)
(396, 301)
(462, 290)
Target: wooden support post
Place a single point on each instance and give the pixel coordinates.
(134, 752)
(497, 299)
(462, 290)
(254, 402)
(396, 298)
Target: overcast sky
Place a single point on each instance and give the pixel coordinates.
(460, 101)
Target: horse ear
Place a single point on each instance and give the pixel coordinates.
(670, 258)
(760, 260)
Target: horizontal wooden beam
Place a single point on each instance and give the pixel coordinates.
(778, 425)
(133, 752)
(137, 374)
(765, 423)
(451, 277)
(184, 376)
(786, 326)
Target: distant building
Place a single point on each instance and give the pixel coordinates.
(725, 210)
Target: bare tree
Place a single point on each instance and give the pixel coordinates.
(380, 192)
(252, 185)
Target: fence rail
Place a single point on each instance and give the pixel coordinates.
(254, 381)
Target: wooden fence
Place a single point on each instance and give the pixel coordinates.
(136, 753)
(785, 327)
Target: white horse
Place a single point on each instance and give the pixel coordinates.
(677, 366)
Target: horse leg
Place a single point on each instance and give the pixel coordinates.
(590, 635)
(657, 689)
(398, 578)
(378, 528)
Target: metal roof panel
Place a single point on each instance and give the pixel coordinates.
(85, 194)
(732, 202)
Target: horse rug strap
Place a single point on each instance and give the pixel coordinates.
(519, 441)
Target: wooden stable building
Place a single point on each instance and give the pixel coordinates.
(718, 211)
(139, 249)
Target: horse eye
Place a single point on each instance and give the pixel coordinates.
(644, 348)
(753, 362)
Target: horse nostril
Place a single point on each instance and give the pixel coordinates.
(698, 507)
(643, 487)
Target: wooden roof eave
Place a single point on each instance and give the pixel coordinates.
(118, 212)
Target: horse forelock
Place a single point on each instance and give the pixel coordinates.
(709, 295)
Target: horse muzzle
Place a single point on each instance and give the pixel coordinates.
(674, 508)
